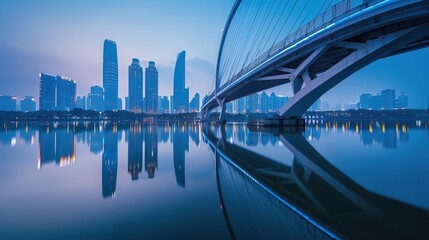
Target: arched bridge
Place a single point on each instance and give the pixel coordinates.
(310, 45)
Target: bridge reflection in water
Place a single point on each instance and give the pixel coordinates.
(264, 199)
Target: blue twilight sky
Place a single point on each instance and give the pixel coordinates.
(66, 38)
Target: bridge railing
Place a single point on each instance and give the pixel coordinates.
(329, 16)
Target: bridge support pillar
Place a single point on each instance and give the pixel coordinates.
(222, 110)
(279, 121)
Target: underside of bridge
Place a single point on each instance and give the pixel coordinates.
(321, 59)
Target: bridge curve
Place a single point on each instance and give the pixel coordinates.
(320, 54)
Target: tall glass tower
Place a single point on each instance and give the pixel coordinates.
(135, 86)
(47, 91)
(151, 93)
(180, 93)
(110, 75)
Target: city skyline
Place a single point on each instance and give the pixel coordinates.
(41, 54)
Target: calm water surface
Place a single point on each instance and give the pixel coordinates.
(110, 181)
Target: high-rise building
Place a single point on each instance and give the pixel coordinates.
(110, 74)
(56, 92)
(272, 103)
(81, 102)
(28, 104)
(7, 103)
(180, 102)
(47, 91)
(194, 105)
(119, 103)
(164, 105)
(253, 103)
(401, 101)
(151, 89)
(365, 101)
(65, 93)
(388, 99)
(135, 86)
(95, 99)
(241, 105)
(127, 104)
(376, 102)
(264, 102)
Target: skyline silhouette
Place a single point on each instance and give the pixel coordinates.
(202, 20)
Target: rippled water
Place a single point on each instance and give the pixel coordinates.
(107, 180)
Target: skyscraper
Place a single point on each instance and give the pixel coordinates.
(135, 86)
(66, 93)
(47, 91)
(264, 102)
(388, 99)
(151, 90)
(194, 105)
(95, 99)
(28, 104)
(80, 102)
(253, 103)
(7, 103)
(110, 74)
(401, 101)
(165, 105)
(365, 101)
(56, 92)
(180, 101)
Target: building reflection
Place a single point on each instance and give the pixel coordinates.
(386, 134)
(194, 133)
(135, 151)
(164, 133)
(180, 146)
(27, 134)
(95, 138)
(262, 198)
(151, 150)
(56, 145)
(109, 161)
(8, 134)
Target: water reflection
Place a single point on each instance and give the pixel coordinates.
(180, 146)
(263, 198)
(57, 146)
(272, 184)
(386, 134)
(109, 161)
(135, 151)
(151, 151)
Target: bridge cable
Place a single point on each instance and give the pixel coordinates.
(284, 24)
(236, 31)
(299, 16)
(274, 28)
(244, 46)
(236, 40)
(258, 36)
(264, 35)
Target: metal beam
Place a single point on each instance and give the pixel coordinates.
(286, 70)
(374, 49)
(304, 66)
(276, 77)
(351, 45)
